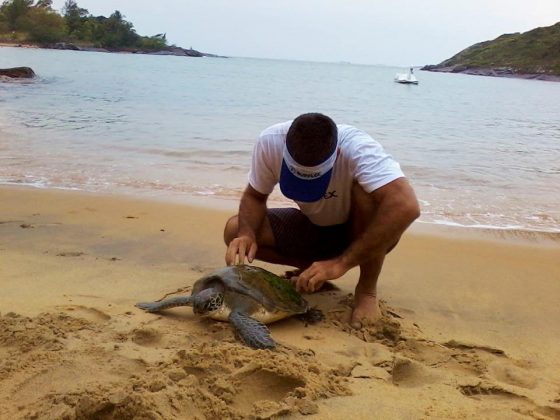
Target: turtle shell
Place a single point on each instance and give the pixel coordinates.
(266, 288)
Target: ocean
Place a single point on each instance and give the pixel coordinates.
(480, 152)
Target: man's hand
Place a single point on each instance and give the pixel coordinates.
(318, 273)
(240, 248)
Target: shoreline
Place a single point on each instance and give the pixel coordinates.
(491, 72)
(230, 205)
(171, 50)
(468, 329)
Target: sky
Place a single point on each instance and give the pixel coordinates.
(402, 32)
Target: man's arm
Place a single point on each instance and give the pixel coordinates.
(252, 211)
(396, 208)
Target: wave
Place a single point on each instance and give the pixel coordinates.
(507, 232)
(218, 191)
(189, 153)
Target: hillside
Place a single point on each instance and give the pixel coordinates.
(532, 54)
(36, 23)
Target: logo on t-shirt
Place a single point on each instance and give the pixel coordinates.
(330, 194)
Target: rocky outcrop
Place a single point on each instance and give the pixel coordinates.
(177, 51)
(173, 50)
(18, 73)
(64, 46)
(491, 71)
(529, 55)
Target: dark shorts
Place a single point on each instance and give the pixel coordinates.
(297, 237)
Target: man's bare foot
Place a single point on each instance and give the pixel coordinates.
(366, 310)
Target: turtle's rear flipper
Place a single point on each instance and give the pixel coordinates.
(312, 316)
(165, 304)
(253, 333)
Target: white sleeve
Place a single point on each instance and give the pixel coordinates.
(261, 175)
(374, 168)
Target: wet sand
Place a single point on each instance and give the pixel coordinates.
(470, 325)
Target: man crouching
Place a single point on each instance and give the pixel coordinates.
(354, 205)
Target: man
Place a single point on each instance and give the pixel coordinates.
(354, 205)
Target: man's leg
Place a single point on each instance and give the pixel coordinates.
(266, 244)
(366, 304)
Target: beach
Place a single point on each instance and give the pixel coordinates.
(469, 328)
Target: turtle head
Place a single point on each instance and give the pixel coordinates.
(207, 301)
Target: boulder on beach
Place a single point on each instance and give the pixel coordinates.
(18, 73)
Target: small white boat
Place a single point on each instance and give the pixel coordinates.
(406, 78)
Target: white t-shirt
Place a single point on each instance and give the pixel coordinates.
(360, 158)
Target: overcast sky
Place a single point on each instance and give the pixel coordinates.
(402, 32)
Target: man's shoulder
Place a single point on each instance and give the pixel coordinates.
(280, 129)
(351, 138)
(349, 132)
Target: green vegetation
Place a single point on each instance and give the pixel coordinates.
(37, 22)
(533, 52)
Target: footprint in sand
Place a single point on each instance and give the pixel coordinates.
(459, 345)
(263, 384)
(491, 362)
(435, 355)
(505, 372)
(408, 373)
(425, 351)
(258, 384)
(454, 356)
(516, 402)
(488, 390)
(5, 222)
(89, 314)
(147, 337)
(71, 254)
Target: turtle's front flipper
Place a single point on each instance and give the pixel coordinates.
(253, 333)
(165, 304)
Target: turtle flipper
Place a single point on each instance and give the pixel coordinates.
(253, 333)
(165, 304)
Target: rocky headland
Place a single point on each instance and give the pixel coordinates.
(529, 55)
(171, 50)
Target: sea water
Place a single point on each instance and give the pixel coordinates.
(479, 151)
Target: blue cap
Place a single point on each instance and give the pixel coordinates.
(304, 183)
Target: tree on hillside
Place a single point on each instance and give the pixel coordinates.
(114, 32)
(156, 42)
(76, 19)
(13, 11)
(43, 25)
(23, 20)
(44, 4)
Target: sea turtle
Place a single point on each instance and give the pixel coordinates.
(246, 296)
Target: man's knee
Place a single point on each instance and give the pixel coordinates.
(230, 231)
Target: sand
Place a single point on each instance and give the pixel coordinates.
(470, 326)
